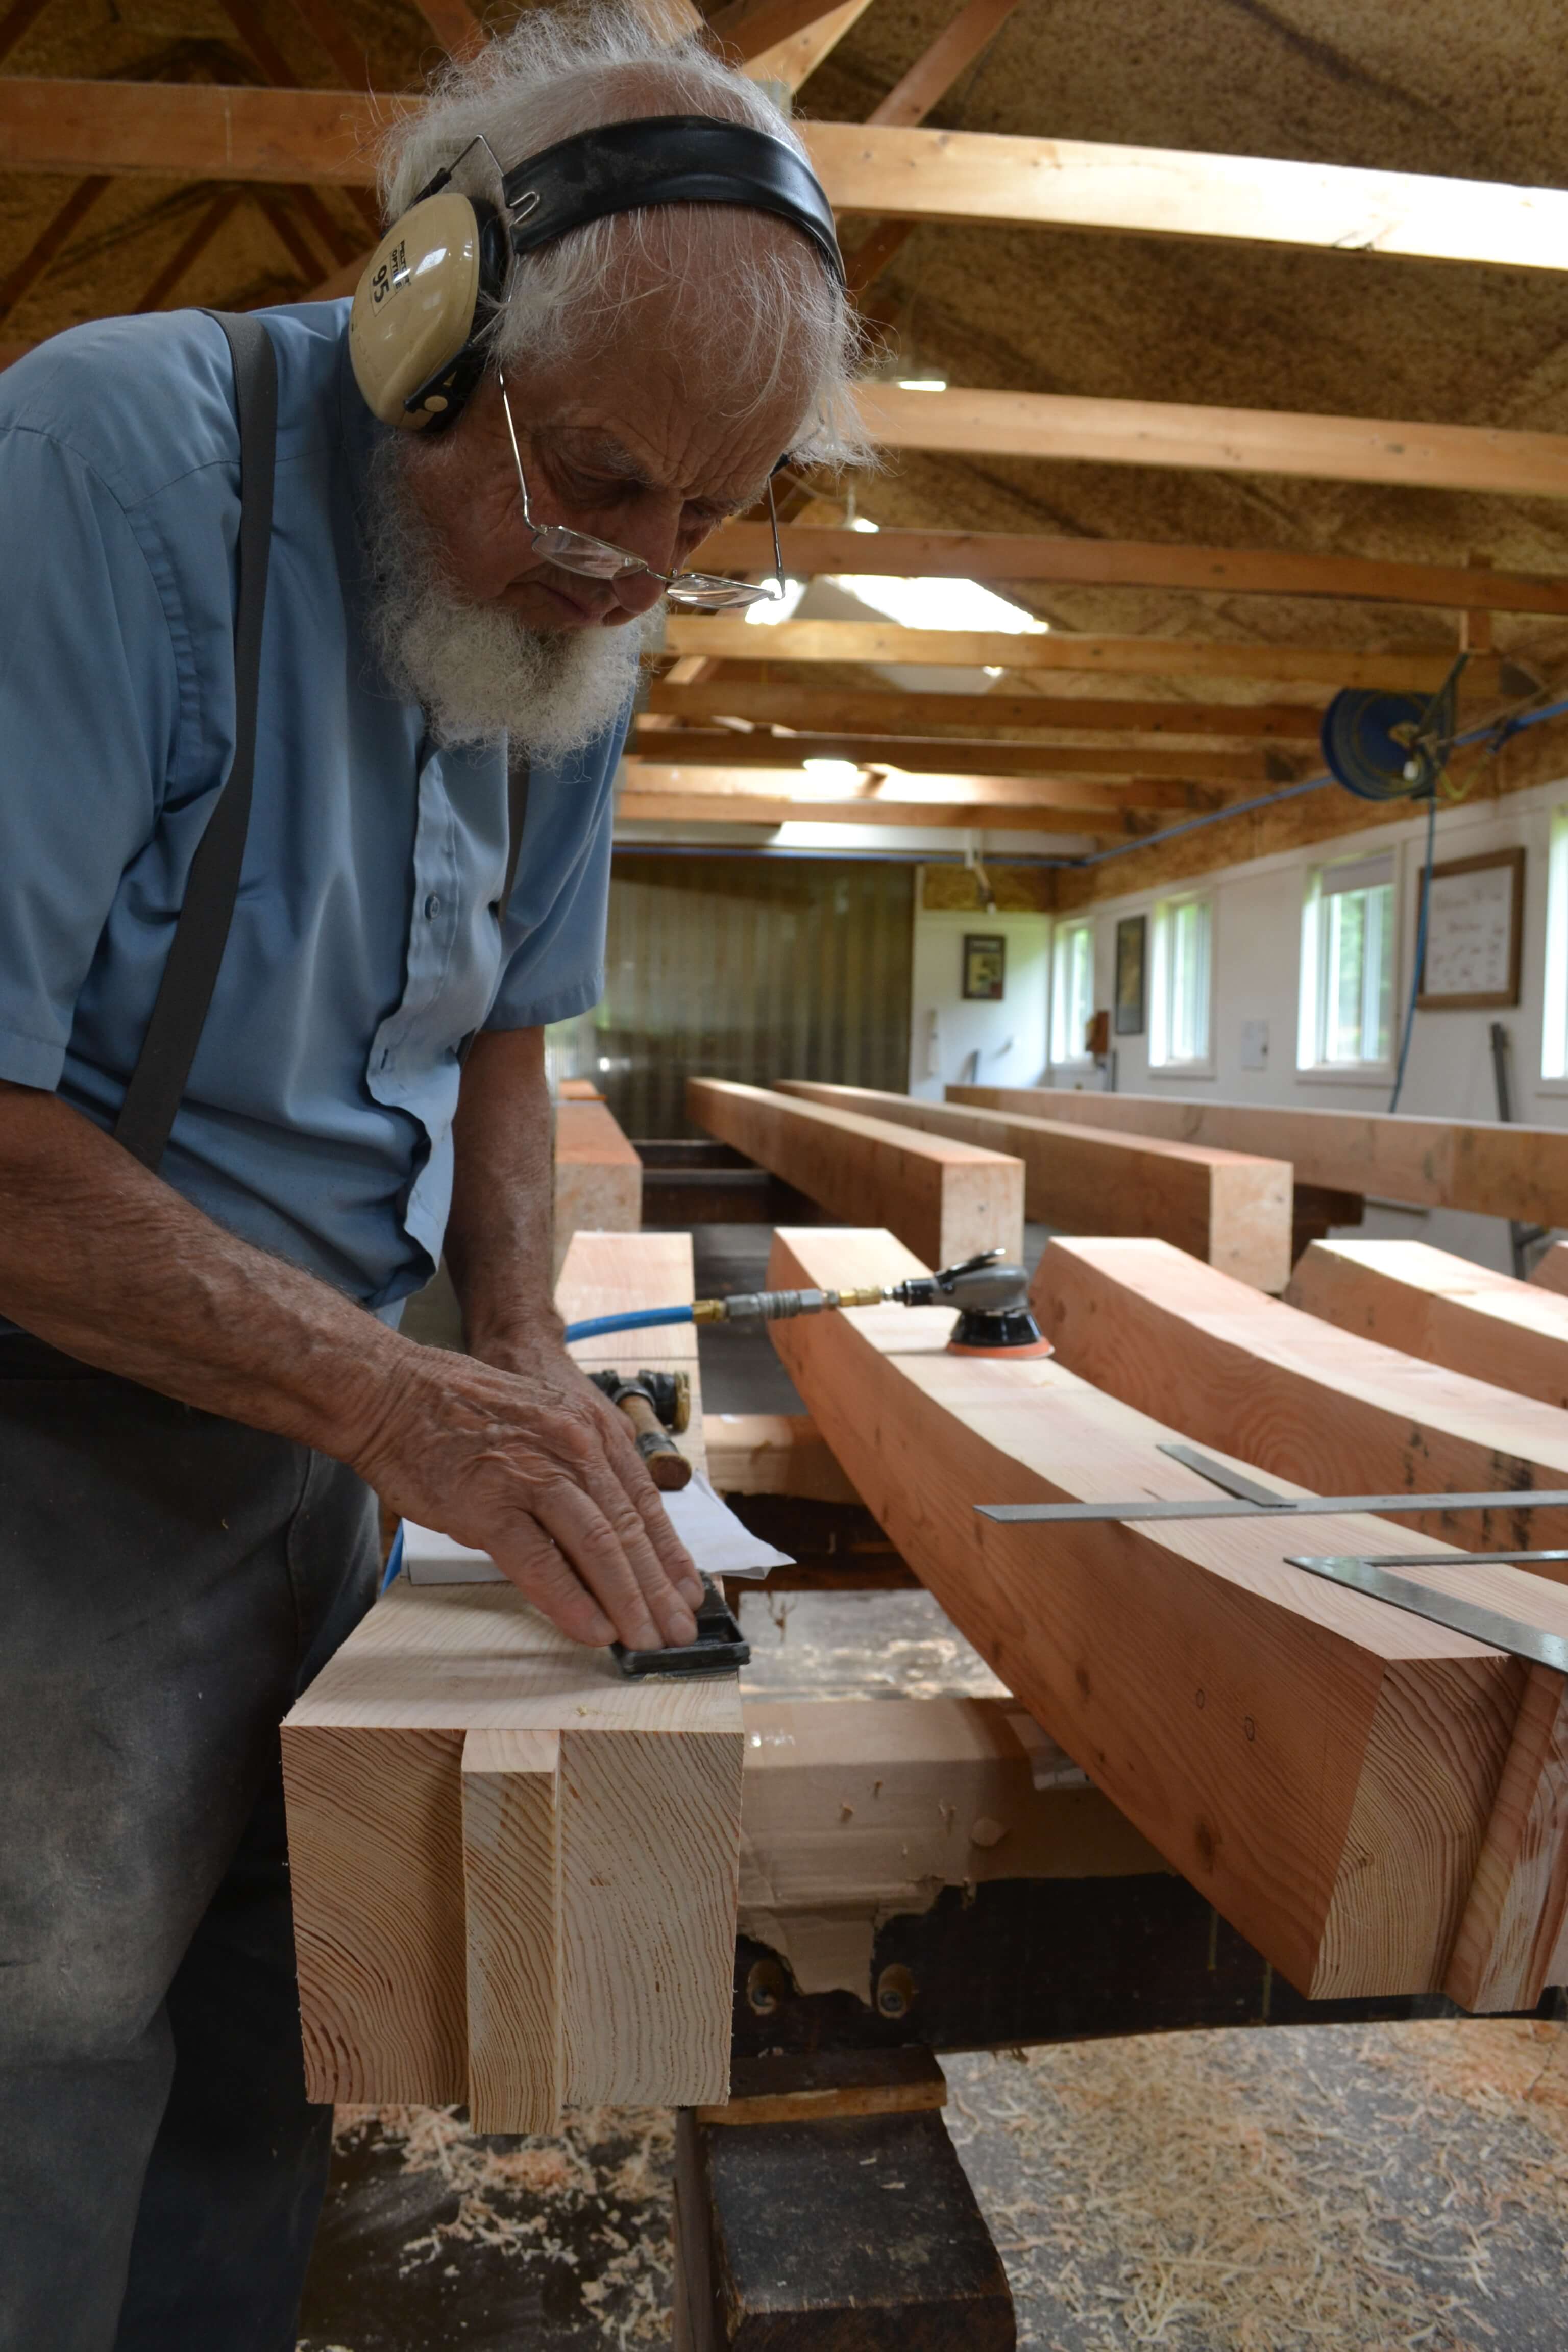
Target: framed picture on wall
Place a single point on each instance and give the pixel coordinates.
(984, 966)
(1475, 933)
(1131, 941)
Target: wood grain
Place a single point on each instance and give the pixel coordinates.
(1232, 1209)
(1322, 1767)
(946, 1200)
(511, 1883)
(1445, 1309)
(648, 1836)
(598, 1176)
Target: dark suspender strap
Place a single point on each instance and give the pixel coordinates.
(190, 975)
(516, 781)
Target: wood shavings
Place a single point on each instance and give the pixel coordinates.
(1315, 2189)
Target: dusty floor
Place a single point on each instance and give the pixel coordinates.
(1321, 2189)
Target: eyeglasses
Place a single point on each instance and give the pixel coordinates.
(596, 559)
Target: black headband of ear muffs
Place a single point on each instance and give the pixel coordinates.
(665, 159)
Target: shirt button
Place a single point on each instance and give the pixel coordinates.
(432, 907)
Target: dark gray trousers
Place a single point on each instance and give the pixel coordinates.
(169, 1581)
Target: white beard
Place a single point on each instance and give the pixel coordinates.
(478, 672)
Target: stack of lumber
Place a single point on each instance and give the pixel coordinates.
(1519, 1172)
(1376, 1802)
(598, 1176)
(1231, 1208)
(1341, 1415)
(1427, 1303)
(945, 1200)
(514, 1873)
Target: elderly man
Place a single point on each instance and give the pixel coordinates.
(201, 1376)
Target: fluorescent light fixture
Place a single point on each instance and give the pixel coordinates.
(922, 384)
(835, 776)
(991, 671)
(863, 523)
(769, 611)
(604, 1061)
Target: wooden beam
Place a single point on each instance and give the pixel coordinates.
(888, 171)
(915, 174)
(1055, 649)
(1325, 1408)
(51, 239)
(18, 19)
(773, 1454)
(909, 100)
(647, 1802)
(854, 1810)
(982, 758)
(1066, 425)
(1519, 1172)
(1551, 1271)
(812, 549)
(1003, 718)
(1322, 1768)
(350, 59)
(598, 1176)
(749, 29)
(1322, 1408)
(956, 1197)
(1444, 1309)
(455, 26)
(688, 806)
(1227, 1208)
(792, 61)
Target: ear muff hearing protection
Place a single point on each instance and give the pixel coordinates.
(438, 276)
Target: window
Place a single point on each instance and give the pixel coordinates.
(1180, 994)
(1072, 992)
(1347, 966)
(1554, 1015)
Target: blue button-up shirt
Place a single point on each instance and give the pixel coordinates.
(366, 941)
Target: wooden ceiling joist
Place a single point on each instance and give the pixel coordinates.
(961, 422)
(722, 746)
(721, 638)
(50, 241)
(650, 770)
(813, 549)
(688, 806)
(881, 169)
(793, 61)
(999, 717)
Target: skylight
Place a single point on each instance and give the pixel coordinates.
(939, 603)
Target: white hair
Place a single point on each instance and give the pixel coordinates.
(757, 303)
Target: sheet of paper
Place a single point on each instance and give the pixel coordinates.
(711, 1533)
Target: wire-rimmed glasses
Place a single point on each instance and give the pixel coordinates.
(598, 559)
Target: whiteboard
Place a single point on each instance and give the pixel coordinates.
(1471, 925)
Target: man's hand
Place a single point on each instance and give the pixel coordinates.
(526, 1460)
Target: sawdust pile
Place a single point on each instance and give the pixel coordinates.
(596, 2201)
(1316, 2189)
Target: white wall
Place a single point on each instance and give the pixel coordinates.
(1010, 1036)
(1256, 950)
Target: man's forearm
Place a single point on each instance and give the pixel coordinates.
(499, 1236)
(106, 1262)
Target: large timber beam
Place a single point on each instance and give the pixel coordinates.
(884, 641)
(810, 549)
(956, 1196)
(1493, 1170)
(598, 1176)
(1327, 1408)
(1323, 1408)
(1322, 1768)
(883, 169)
(1445, 1309)
(1228, 1208)
(514, 1871)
